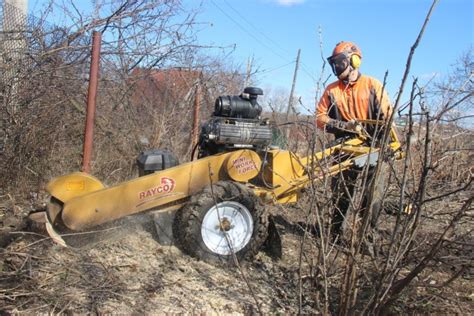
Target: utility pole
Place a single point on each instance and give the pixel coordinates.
(290, 101)
(249, 70)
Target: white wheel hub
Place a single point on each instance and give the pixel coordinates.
(227, 227)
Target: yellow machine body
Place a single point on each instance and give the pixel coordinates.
(87, 202)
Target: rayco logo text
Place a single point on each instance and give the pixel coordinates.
(166, 186)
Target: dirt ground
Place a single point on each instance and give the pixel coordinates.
(123, 269)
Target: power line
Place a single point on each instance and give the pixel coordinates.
(255, 28)
(305, 69)
(303, 65)
(264, 71)
(259, 40)
(268, 70)
(248, 32)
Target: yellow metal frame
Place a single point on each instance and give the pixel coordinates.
(87, 202)
(287, 173)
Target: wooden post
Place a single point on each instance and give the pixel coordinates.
(249, 70)
(290, 101)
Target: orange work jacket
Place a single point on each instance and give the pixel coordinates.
(359, 100)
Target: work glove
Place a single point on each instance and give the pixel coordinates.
(351, 126)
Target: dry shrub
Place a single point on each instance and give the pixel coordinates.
(45, 82)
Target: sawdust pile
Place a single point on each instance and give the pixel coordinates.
(121, 268)
(124, 270)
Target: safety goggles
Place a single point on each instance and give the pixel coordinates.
(339, 63)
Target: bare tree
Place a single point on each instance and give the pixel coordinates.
(143, 43)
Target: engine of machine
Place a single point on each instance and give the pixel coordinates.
(235, 124)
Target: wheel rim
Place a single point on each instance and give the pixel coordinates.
(227, 218)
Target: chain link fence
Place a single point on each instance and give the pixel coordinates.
(14, 24)
(37, 78)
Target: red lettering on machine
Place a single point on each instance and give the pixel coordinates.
(244, 165)
(166, 185)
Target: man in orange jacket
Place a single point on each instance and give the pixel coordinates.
(352, 98)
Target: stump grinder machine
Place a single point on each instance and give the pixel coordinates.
(220, 199)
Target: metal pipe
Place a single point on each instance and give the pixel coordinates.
(91, 101)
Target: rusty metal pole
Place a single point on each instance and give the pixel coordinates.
(91, 99)
(197, 106)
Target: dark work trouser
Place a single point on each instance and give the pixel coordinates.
(343, 187)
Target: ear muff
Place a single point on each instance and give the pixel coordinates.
(355, 61)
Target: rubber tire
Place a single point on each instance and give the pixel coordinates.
(187, 223)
